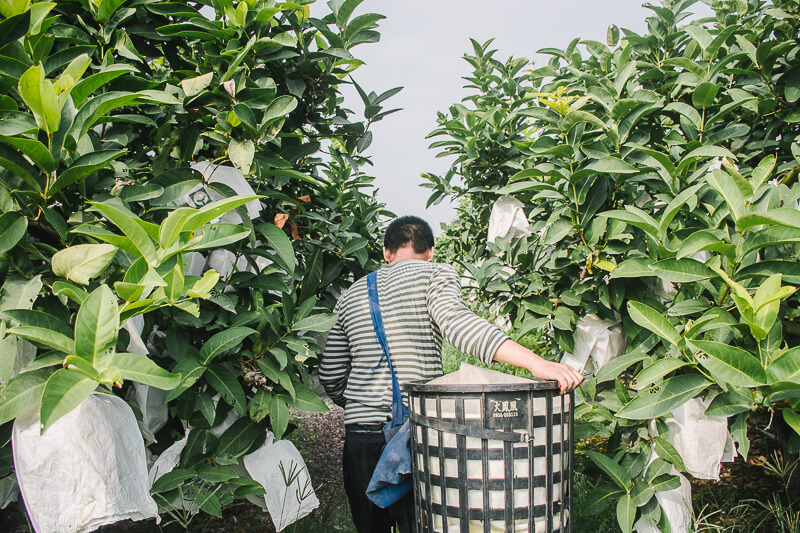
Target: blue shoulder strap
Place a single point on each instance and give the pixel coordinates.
(399, 411)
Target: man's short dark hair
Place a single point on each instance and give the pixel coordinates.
(408, 230)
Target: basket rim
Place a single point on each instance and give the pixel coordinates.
(532, 385)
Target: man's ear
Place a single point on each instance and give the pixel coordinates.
(387, 255)
(429, 256)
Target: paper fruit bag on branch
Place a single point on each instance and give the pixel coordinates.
(596, 339)
(87, 470)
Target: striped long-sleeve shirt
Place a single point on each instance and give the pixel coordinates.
(420, 303)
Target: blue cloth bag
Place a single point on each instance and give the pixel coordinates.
(391, 479)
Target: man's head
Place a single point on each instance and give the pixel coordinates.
(408, 237)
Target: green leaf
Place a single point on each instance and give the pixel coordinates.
(613, 368)
(626, 513)
(652, 320)
(706, 240)
(96, 324)
(730, 403)
(762, 171)
(87, 86)
(193, 86)
(225, 383)
(791, 417)
(654, 372)
(173, 479)
(107, 8)
(633, 268)
(138, 368)
(306, 400)
(47, 337)
(216, 209)
(223, 341)
(259, 405)
(280, 107)
(215, 473)
(612, 165)
(725, 186)
(35, 150)
(667, 452)
(612, 468)
(704, 151)
(278, 416)
(83, 167)
(675, 205)
(663, 398)
(280, 242)
(131, 228)
(12, 228)
(40, 97)
(786, 367)
(22, 392)
(782, 216)
(704, 94)
(190, 371)
(682, 270)
(575, 117)
(63, 392)
(38, 319)
(237, 439)
(82, 262)
(734, 365)
(241, 155)
(318, 323)
(739, 434)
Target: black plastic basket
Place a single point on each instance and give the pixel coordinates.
(490, 458)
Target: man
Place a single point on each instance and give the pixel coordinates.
(421, 303)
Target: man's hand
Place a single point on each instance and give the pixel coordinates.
(517, 355)
(568, 378)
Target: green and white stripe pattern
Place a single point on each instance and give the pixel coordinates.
(420, 302)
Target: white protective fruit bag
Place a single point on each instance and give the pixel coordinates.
(598, 339)
(507, 220)
(87, 470)
(281, 470)
(700, 440)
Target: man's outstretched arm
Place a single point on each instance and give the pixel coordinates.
(514, 354)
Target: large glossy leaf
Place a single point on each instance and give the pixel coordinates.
(40, 97)
(706, 240)
(734, 365)
(35, 150)
(63, 392)
(306, 400)
(654, 372)
(225, 383)
(83, 167)
(129, 226)
(613, 368)
(626, 513)
(652, 320)
(47, 337)
(612, 468)
(782, 216)
(664, 397)
(633, 268)
(96, 324)
(667, 452)
(138, 368)
(238, 438)
(725, 186)
(280, 242)
(87, 86)
(12, 228)
(82, 262)
(216, 209)
(190, 371)
(223, 341)
(38, 319)
(317, 323)
(23, 392)
(786, 367)
(681, 270)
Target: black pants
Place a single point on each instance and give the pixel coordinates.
(362, 449)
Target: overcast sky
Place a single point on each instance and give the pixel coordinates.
(421, 48)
